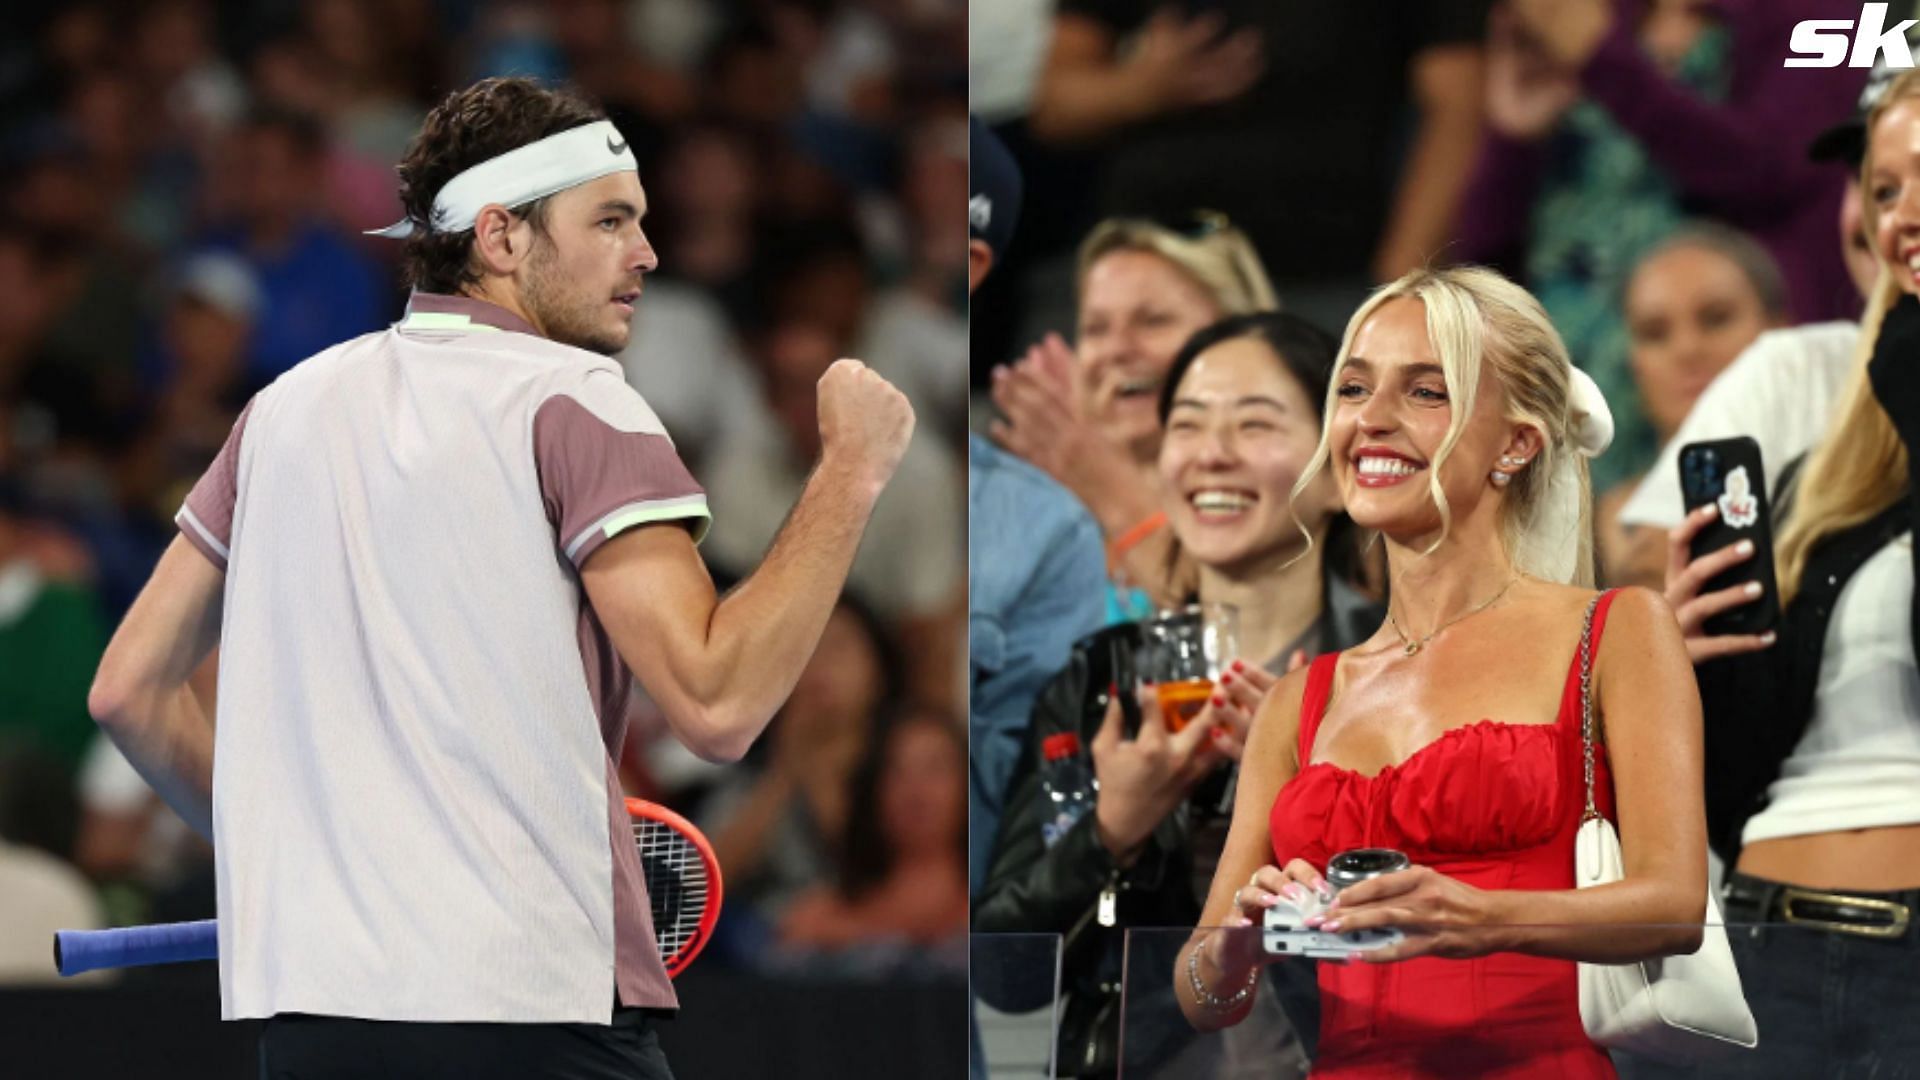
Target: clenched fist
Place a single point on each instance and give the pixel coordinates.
(864, 422)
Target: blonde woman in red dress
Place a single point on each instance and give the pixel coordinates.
(1457, 429)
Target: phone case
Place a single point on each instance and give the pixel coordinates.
(1283, 933)
(1729, 474)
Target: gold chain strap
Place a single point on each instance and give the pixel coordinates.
(1586, 705)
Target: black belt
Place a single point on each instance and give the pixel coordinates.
(1874, 915)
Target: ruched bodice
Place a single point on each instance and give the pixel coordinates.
(1490, 803)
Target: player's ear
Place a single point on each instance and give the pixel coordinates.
(501, 239)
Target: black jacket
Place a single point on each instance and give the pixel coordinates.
(1757, 706)
(1031, 888)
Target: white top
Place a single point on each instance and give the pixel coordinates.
(416, 813)
(1858, 765)
(1781, 391)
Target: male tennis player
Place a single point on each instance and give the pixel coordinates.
(430, 556)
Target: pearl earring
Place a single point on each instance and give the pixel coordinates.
(1500, 478)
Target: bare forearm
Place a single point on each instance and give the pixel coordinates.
(1429, 194)
(1618, 923)
(763, 633)
(1123, 500)
(1221, 984)
(167, 735)
(143, 696)
(1088, 101)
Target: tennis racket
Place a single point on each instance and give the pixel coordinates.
(683, 888)
(683, 881)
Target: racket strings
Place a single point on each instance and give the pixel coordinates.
(678, 884)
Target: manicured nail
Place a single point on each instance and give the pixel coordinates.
(1355, 957)
(1226, 677)
(1291, 891)
(1239, 665)
(1768, 638)
(1218, 700)
(1241, 921)
(1331, 926)
(1745, 547)
(1313, 921)
(1267, 899)
(1752, 589)
(1319, 883)
(1709, 510)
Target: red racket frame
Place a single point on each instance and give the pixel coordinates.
(641, 810)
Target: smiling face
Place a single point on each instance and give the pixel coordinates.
(1690, 311)
(1390, 417)
(582, 278)
(1893, 189)
(1136, 310)
(1239, 434)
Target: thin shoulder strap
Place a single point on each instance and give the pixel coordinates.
(1313, 703)
(1590, 631)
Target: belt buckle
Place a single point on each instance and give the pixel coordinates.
(1900, 913)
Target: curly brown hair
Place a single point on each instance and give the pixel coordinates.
(468, 127)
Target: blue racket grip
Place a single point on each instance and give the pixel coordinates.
(75, 951)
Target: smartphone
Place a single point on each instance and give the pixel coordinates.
(1728, 473)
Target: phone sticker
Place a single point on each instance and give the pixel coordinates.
(1738, 507)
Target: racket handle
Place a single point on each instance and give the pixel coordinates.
(75, 951)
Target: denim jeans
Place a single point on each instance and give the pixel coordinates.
(1829, 1005)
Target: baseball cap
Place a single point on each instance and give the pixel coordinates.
(993, 188)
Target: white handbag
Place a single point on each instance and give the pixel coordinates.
(1675, 1008)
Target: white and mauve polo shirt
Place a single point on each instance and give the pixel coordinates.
(416, 814)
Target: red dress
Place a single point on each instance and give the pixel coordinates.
(1496, 806)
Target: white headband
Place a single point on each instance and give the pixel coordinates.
(521, 175)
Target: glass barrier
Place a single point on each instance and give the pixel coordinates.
(1826, 1001)
(1015, 1009)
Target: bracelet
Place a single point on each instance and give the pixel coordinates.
(1208, 1000)
(1118, 547)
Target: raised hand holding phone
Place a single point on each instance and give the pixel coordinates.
(1720, 580)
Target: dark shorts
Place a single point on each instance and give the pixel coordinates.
(294, 1046)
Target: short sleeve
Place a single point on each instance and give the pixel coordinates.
(206, 518)
(606, 465)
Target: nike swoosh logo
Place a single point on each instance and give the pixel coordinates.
(616, 147)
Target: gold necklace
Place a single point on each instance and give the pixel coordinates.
(1416, 646)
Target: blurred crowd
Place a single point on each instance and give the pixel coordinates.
(184, 187)
(1681, 203)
